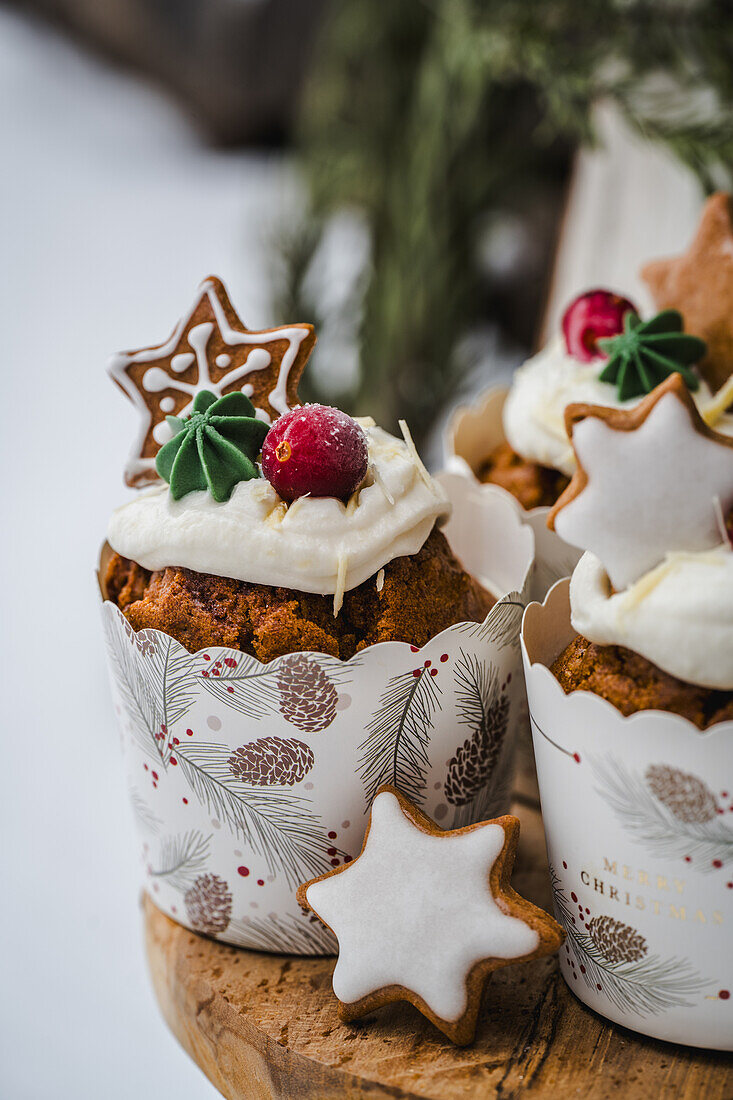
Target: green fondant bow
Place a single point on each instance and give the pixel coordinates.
(213, 448)
(647, 352)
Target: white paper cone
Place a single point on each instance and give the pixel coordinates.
(473, 432)
(248, 779)
(638, 814)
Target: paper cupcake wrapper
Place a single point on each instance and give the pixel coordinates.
(472, 433)
(638, 814)
(247, 779)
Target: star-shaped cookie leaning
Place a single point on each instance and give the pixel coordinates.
(425, 916)
(649, 480)
(209, 349)
(700, 285)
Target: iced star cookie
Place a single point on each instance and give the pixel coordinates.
(425, 916)
(652, 596)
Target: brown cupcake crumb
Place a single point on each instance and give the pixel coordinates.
(421, 596)
(631, 683)
(534, 486)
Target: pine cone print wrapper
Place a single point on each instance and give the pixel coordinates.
(473, 433)
(638, 815)
(248, 779)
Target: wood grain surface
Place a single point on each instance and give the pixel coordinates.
(265, 1026)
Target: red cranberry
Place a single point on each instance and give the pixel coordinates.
(594, 314)
(315, 449)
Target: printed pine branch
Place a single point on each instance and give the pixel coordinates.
(644, 984)
(181, 858)
(169, 668)
(145, 817)
(139, 699)
(501, 628)
(395, 749)
(278, 825)
(286, 934)
(646, 809)
(240, 681)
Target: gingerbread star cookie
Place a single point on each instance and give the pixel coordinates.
(425, 916)
(649, 480)
(700, 285)
(209, 349)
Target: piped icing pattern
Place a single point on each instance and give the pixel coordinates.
(209, 349)
(318, 545)
(647, 502)
(534, 411)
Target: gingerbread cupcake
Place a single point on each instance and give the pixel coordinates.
(296, 612)
(516, 438)
(629, 670)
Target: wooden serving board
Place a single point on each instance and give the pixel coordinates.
(265, 1026)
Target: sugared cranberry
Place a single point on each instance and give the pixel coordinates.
(315, 449)
(597, 313)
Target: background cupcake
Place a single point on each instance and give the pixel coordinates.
(516, 438)
(625, 666)
(282, 645)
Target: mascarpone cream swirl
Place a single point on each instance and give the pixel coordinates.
(317, 544)
(534, 412)
(679, 615)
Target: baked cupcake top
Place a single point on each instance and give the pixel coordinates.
(343, 498)
(649, 502)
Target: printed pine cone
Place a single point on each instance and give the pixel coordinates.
(271, 761)
(307, 696)
(617, 942)
(209, 904)
(470, 769)
(684, 795)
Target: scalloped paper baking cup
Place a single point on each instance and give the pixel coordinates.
(638, 814)
(473, 432)
(247, 779)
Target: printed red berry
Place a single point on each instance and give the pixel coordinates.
(594, 314)
(315, 449)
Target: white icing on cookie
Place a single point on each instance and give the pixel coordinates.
(316, 545)
(417, 910)
(534, 411)
(679, 615)
(157, 379)
(650, 491)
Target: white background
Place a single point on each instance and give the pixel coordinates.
(111, 212)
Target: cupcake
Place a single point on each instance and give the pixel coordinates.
(629, 670)
(296, 613)
(516, 439)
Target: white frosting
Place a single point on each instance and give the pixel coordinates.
(534, 412)
(312, 546)
(679, 615)
(417, 910)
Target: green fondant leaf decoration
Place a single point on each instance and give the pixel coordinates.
(647, 352)
(213, 448)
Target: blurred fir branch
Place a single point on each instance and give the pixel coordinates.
(432, 120)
